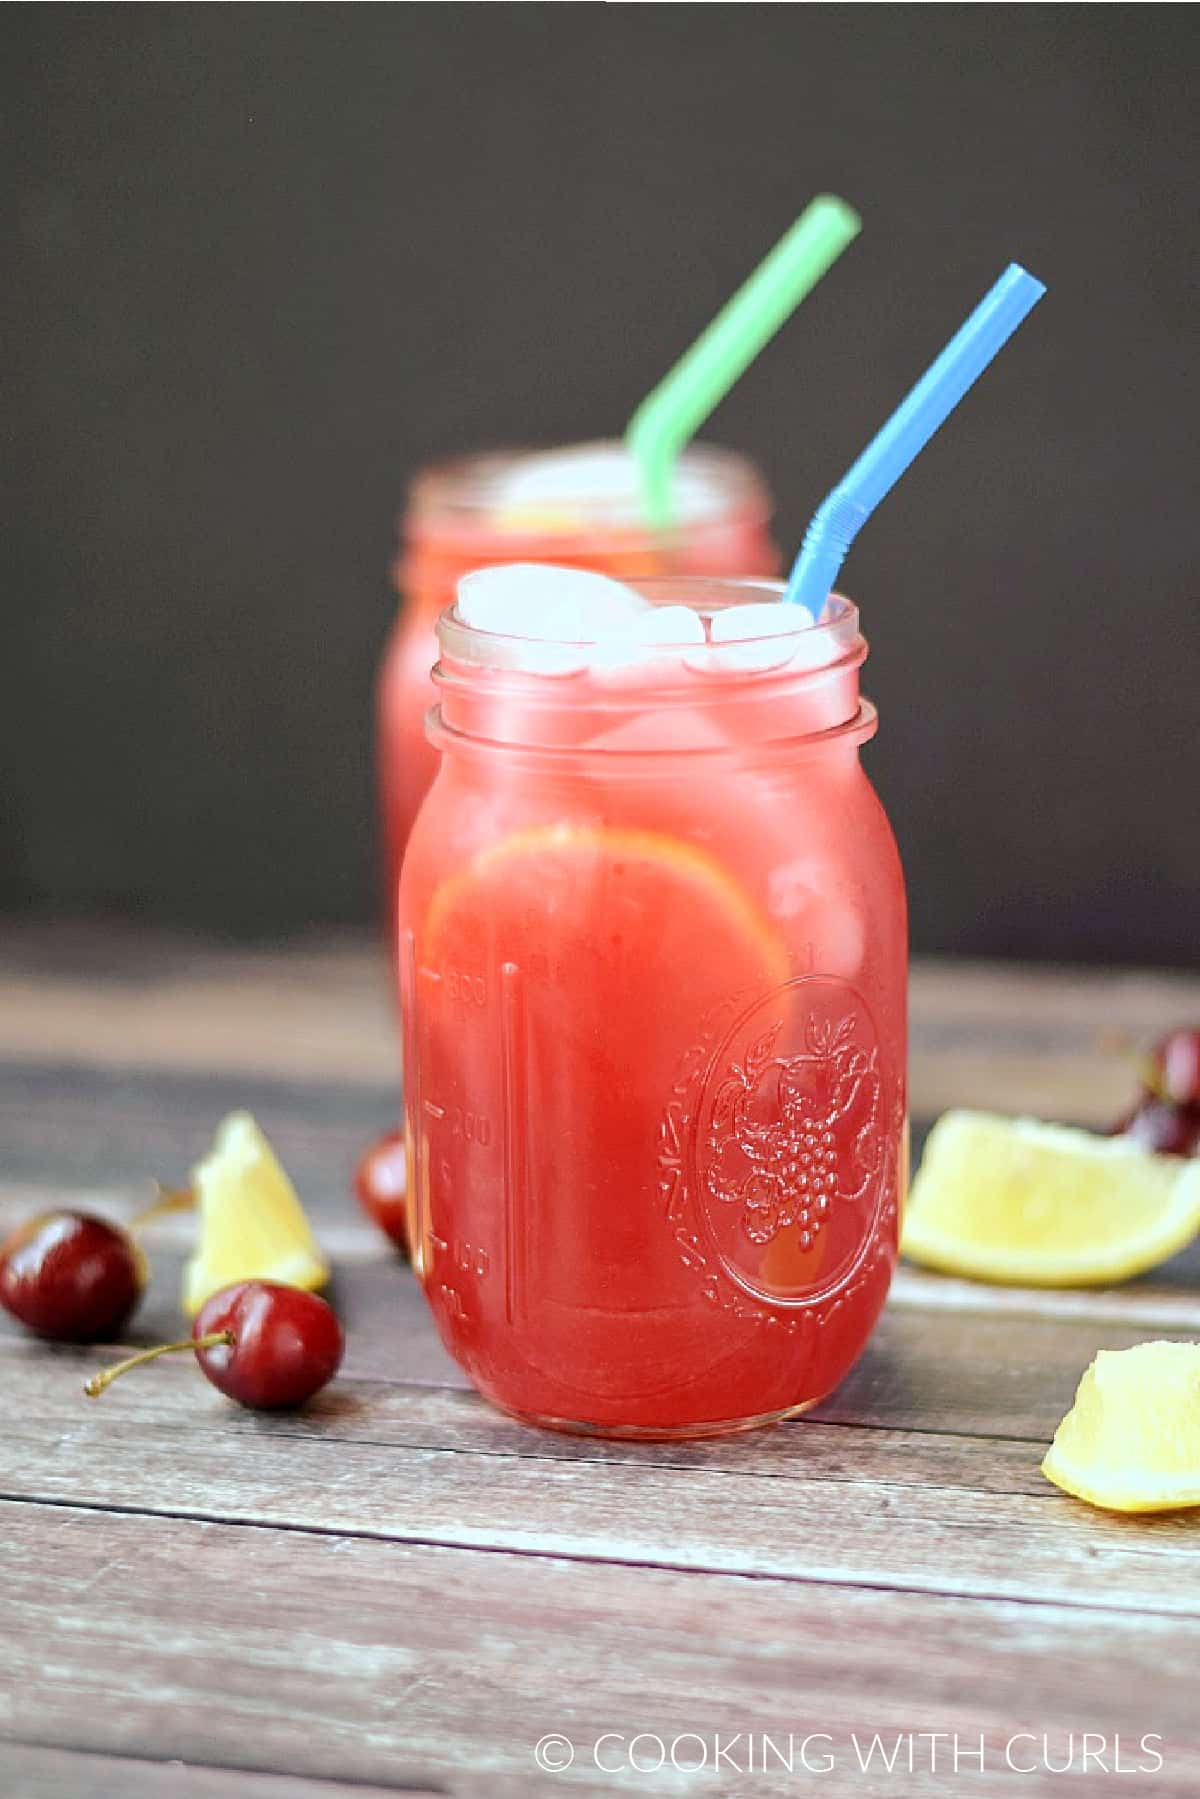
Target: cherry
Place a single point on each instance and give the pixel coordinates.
(71, 1276)
(264, 1344)
(380, 1181)
(1166, 1129)
(1173, 1072)
(1166, 1115)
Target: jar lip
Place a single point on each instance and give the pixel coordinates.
(497, 491)
(856, 728)
(817, 645)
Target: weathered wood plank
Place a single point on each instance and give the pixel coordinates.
(806, 1503)
(390, 1334)
(356, 1660)
(115, 1130)
(96, 1133)
(52, 1416)
(968, 1372)
(975, 1373)
(1167, 1299)
(33, 1771)
(959, 1371)
(111, 998)
(1014, 1038)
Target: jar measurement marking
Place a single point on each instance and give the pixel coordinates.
(472, 1127)
(461, 1122)
(468, 1258)
(452, 1299)
(470, 988)
(471, 1258)
(459, 984)
(516, 1122)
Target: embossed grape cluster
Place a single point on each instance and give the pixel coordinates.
(812, 1173)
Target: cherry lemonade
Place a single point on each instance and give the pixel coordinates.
(652, 948)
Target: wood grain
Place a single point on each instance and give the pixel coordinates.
(969, 1371)
(982, 1033)
(34, 1771)
(400, 1589)
(808, 1502)
(351, 1659)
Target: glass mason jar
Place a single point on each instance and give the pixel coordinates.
(653, 969)
(577, 506)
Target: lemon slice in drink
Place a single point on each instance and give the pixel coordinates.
(639, 903)
(1013, 1200)
(1131, 1441)
(252, 1225)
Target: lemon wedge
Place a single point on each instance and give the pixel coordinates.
(1009, 1199)
(252, 1225)
(1131, 1441)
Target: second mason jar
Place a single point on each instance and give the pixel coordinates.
(578, 505)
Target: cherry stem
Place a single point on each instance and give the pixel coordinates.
(99, 1382)
(1147, 1070)
(169, 1199)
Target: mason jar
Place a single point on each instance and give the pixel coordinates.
(652, 948)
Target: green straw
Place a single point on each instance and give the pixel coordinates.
(672, 414)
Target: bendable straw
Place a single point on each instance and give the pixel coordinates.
(672, 414)
(842, 513)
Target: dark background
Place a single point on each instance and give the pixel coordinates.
(264, 261)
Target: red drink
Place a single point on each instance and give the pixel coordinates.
(575, 507)
(653, 954)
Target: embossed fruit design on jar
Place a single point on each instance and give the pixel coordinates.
(653, 963)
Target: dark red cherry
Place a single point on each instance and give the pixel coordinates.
(1174, 1068)
(1166, 1129)
(281, 1345)
(380, 1181)
(71, 1276)
(264, 1344)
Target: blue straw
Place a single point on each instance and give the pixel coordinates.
(842, 513)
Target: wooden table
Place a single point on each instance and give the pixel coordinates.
(400, 1590)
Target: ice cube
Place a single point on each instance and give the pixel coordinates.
(762, 618)
(765, 634)
(580, 473)
(564, 488)
(542, 605)
(545, 603)
(759, 636)
(650, 654)
(672, 625)
(647, 641)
